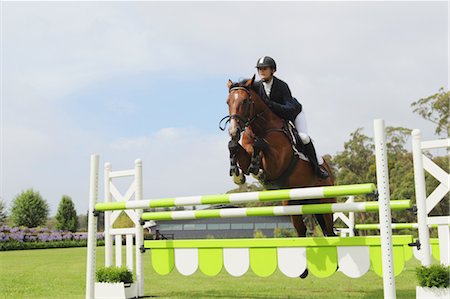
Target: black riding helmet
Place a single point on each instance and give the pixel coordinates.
(266, 61)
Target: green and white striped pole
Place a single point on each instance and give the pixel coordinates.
(235, 198)
(371, 206)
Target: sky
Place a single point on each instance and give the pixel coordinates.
(147, 80)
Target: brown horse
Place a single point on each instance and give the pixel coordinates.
(266, 151)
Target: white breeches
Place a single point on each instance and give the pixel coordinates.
(302, 128)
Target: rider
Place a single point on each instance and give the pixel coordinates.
(278, 97)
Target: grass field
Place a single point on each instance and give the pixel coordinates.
(60, 273)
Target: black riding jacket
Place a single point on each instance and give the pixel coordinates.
(280, 101)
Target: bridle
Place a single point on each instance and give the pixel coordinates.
(243, 123)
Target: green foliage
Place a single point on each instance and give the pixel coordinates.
(2, 212)
(258, 234)
(284, 233)
(356, 163)
(435, 108)
(433, 276)
(66, 217)
(114, 274)
(29, 209)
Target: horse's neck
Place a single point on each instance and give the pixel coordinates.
(267, 119)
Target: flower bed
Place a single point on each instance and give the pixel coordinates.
(17, 238)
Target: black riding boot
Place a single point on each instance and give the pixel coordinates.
(311, 153)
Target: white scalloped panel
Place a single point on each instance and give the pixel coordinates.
(236, 260)
(353, 261)
(186, 260)
(292, 261)
(418, 253)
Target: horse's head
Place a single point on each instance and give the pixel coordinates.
(240, 105)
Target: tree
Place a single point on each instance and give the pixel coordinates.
(29, 209)
(435, 108)
(2, 213)
(66, 217)
(355, 162)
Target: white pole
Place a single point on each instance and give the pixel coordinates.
(92, 228)
(139, 230)
(107, 222)
(385, 209)
(351, 218)
(421, 197)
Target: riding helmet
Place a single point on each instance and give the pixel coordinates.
(266, 61)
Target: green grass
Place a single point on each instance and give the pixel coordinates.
(60, 273)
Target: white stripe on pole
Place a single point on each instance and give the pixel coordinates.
(384, 209)
(244, 197)
(287, 210)
(313, 192)
(344, 207)
(237, 212)
(192, 200)
(183, 215)
(135, 204)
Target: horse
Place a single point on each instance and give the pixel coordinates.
(266, 152)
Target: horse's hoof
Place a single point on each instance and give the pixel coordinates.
(304, 274)
(239, 179)
(253, 169)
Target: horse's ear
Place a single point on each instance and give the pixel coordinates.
(249, 82)
(229, 83)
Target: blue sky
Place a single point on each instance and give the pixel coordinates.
(148, 80)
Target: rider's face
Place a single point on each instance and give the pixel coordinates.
(266, 73)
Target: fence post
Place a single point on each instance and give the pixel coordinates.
(92, 229)
(384, 209)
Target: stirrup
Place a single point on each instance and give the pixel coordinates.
(321, 173)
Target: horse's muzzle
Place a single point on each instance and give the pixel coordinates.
(234, 130)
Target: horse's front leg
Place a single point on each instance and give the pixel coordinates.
(238, 155)
(256, 160)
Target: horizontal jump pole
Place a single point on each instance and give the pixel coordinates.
(370, 206)
(394, 226)
(235, 198)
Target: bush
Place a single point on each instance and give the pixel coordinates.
(66, 217)
(433, 276)
(29, 209)
(284, 233)
(258, 234)
(114, 274)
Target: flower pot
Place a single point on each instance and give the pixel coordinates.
(431, 293)
(117, 290)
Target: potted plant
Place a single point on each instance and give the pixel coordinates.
(433, 281)
(114, 282)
